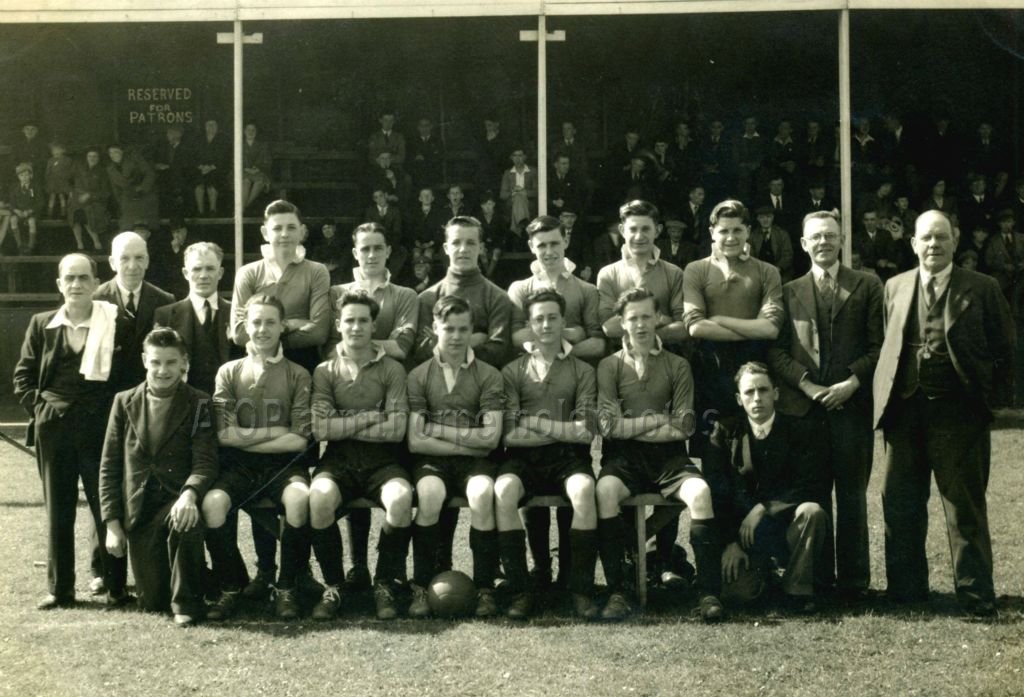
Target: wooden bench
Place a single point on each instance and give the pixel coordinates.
(264, 512)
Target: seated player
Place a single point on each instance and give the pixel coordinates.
(550, 400)
(552, 270)
(645, 402)
(455, 413)
(159, 459)
(765, 472)
(261, 404)
(361, 409)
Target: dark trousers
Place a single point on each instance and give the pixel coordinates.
(851, 453)
(949, 437)
(69, 448)
(167, 565)
(796, 539)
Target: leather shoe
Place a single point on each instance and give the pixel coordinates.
(584, 607)
(52, 602)
(184, 621)
(97, 586)
(983, 609)
(711, 609)
(521, 607)
(616, 609)
(117, 602)
(801, 604)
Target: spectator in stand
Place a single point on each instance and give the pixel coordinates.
(565, 191)
(880, 200)
(26, 204)
(387, 139)
(388, 177)
(424, 225)
(899, 151)
(425, 156)
(978, 245)
(60, 179)
(867, 153)
(675, 245)
(748, 154)
(977, 207)
(1017, 200)
(782, 152)
(968, 259)
(901, 209)
(939, 200)
(607, 248)
(30, 148)
(569, 145)
(456, 202)
(167, 259)
(133, 185)
(213, 162)
(875, 246)
(577, 244)
(495, 230)
(715, 160)
(256, 163)
(88, 207)
(492, 155)
(519, 192)
(814, 153)
(385, 212)
(620, 158)
(662, 175)
(174, 163)
(944, 155)
(771, 244)
(685, 156)
(785, 206)
(985, 154)
(695, 215)
(1004, 258)
(637, 182)
(331, 251)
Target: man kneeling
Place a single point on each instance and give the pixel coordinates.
(360, 408)
(159, 458)
(765, 475)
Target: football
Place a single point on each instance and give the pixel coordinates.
(451, 594)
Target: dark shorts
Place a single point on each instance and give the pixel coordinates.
(454, 470)
(250, 477)
(360, 470)
(648, 468)
(544, 470)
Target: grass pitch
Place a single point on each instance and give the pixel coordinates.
(870, 650)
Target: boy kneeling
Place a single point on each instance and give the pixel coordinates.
(159, 459)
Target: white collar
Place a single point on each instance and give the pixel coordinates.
(268, 253)
(197, 303)
(360, 280)
(832, 271)
(628, 346)
(380, 353)
(537, 269)
(349, 366)
(526, 168)
(124, 291)
(941, 277)
(780, 141)
(470, 357)
(765, 428)
(533, 349)
(61, 320)
(751, 136)
(655, 255)
(255, 356)
(720, 260)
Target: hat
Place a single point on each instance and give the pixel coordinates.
(673, 221)
(23, 167)
(764, 210)
(1005, 214)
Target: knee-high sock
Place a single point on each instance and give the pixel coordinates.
(707, 552)
(584, 559)
(294, 550)
(564, 517)
(449, 521)
(425, 540)
(512, 548)
(484, 544)
(392, 549)
(610, 532)
(359, 535)
(538, 523)
(265, 544)
(328, 547)
(228, 566)
(665, 541)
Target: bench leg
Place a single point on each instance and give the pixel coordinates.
(641, 555)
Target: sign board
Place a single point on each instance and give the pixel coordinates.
(159, 106)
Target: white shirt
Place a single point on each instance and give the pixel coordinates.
(762, 431)
(941, 280)
(638, 361)
(520, 176)
(197, 305)
(74, 334)
(451, 373)
(538, 366)
(819, 272)
(125, 292)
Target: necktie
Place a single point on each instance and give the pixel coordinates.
(827, 289)
(131, 307)
(207, 314)
(929, 292)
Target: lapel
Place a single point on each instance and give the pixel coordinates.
(958, 300)
(846, 283)
(902, 297)
(223, 341)
(136, 410)
(803, 289)
(52, 340)
(182, 318)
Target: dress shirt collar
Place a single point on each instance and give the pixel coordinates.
(762, 431)
(751, 136)
(941, 279)
(364, 284)
(538, 365)
(537, 269)
(254, 355)
(197, 304)
(470, 357)
(124, 292)
(655, 255)
(349, 368)
(636, 360)
(60, 319)
(819, 272)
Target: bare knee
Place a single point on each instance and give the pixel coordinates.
(508, 491)
(697, 497)
(396, 496)
(216, 505)
(324, 499)
(609, 493)
(430, 493)
(296, 504)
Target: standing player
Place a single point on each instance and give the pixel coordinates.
(645, 401)
(455, 407)
(263, 425)
(394, 331)
(550, 401)
(159, 459)
(71, 364)
(361, 409)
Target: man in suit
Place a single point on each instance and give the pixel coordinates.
(564, 190)
(159, 459)
(695, 216)
(202, 318)
(136, 298)
(825, 357)
(949, 339)
(71, 364)
(763, 469)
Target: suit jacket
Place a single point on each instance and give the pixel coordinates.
(781, 248)
(34, 371)
(185, 458)
(980, 335)
(181, 317)
(391, 220)
(785, 474)
(150, 298)
(856, 330)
